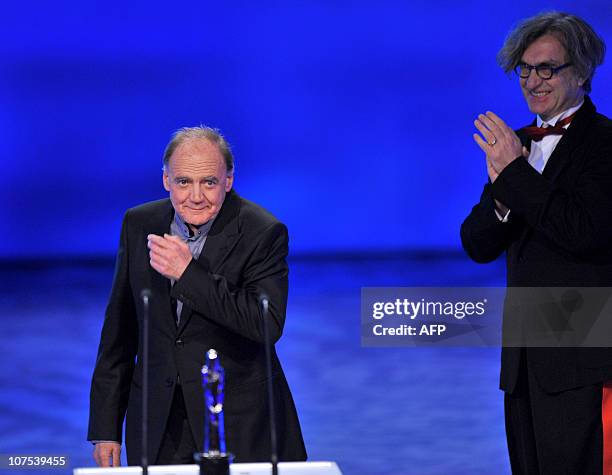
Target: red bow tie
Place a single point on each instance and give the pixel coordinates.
(536, 133)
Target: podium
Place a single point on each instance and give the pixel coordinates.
(284, 468)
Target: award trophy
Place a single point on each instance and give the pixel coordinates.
(214, 460)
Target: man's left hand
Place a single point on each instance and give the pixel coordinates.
(501, 145)
(168, 255)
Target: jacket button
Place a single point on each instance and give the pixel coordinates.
(178, 342)
(169, 382)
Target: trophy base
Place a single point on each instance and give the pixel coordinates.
(213, 464)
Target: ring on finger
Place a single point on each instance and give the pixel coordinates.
(492, 142)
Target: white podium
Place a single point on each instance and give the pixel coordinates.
(284, 468)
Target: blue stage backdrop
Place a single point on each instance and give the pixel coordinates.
(351, 121)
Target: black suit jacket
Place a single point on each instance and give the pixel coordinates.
(243, 258)
(559, 234)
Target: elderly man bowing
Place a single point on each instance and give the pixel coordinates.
(207, 255)
(548, 206)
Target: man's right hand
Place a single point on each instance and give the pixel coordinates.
(107, 454)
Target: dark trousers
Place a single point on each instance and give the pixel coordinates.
(177, 446)
(558, 433)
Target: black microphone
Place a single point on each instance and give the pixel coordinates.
(145, 295)
(264, 303)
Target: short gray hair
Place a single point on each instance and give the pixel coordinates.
(585, 48)
(200, 132)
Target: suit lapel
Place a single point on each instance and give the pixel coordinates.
(564, 154)
(221, 239)
(160, 286)
(223, 235)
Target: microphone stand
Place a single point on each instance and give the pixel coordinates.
(273, 446)
(145, 295)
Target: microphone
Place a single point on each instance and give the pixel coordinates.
(145, 296)
(264, 304)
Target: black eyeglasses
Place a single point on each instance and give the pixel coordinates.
(544, 71)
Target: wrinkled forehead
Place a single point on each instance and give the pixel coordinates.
(197, 153)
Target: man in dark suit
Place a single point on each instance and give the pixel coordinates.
(548, 205)
(208, 256)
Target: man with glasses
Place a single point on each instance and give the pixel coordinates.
(548, 205)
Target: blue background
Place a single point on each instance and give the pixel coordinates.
(351, 121)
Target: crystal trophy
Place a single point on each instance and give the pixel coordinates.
(214, 460)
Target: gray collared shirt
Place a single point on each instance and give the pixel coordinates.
(195, 241)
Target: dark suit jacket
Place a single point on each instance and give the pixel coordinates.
(243, 258)
(559, 235)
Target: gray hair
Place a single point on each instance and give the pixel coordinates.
(201, 132)
(585, 48)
